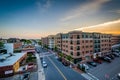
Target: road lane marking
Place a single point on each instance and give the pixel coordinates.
(57, 69)
(93, 76)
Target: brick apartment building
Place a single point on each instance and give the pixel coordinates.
(115, 39)
(58, 41)
(44, 41)
(83, 45)
(17, 45)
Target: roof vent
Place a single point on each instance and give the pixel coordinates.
(2, 59)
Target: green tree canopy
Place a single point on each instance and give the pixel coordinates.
(69, 58)
(1, 44)
(40, 43)
(28, 42)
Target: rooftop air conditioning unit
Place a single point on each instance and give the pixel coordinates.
(2, 59)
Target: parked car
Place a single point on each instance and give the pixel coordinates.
(110, 56)
(119, 53)
(65, 63)
(84, 65)
(92, 63)
(97, 60)
(116, 54)
(44, 64)
(107, 59)
(118, 75)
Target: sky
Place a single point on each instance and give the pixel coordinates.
(39, 18)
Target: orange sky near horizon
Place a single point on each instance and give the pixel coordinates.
(112, 27)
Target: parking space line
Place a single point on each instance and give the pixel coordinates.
(57, 68)
(93, 76)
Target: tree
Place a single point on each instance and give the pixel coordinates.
(28, 42)
(40, 43)
(69, 58)
(23, 40)
(56, 49)
(46, 46)
(61, 55)
(1, 45)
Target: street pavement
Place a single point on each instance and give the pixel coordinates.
(106, 71)
(57, 71)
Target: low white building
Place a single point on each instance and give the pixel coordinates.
(9, 47)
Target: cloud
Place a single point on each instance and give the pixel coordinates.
(43, 6)
(101, 25)
(111, 27)
(90, 7)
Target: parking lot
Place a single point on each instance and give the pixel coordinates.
(106, 71)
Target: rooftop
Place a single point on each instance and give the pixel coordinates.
(10, 60)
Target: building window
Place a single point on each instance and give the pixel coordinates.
(91, 46)
(78, 53)
(86, 41)
(71, 53)
(86, 46)
(78, 42)
(90, 36)
(66, 46)
(86, 36)
(71, 37)
(91, 51)
(82, 36)
(87, 51)
(71, 42)
(71, 48)
(78, 47)
(78, 36)
(90, 40)
(82, 46)
(66, 50)
(83, 41)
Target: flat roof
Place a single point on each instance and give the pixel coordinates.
(10, 60)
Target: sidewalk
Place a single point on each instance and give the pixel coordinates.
(41, 75)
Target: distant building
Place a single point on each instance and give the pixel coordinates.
(13, 40)
(115, 39)
(44, 41)
(58, 42)
(17, 45)
(13, 46)
(49, 41)
(28, 48)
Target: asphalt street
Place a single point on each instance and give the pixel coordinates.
(106, 71)
(57, 71)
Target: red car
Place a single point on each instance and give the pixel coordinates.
(97, 61)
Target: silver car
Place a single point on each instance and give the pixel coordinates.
(44, 64)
